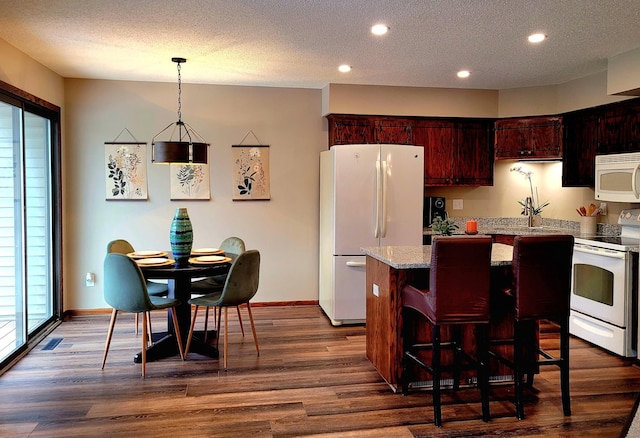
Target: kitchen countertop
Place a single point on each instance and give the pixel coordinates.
(419, 256)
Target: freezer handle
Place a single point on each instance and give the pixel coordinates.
(385, 181)
(356, 264)
(378, 199)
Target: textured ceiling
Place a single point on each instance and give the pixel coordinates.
(300, 43)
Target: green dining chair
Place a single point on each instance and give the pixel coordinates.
(125, 290)
(121, 246)
(239, 288)
(232, 247)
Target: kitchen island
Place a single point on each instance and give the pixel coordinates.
(388, 269)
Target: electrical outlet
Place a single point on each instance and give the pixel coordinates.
(603, 208)
(376, 290)
(90, 279)
(457, 204)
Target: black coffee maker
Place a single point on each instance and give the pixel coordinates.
(433, 207)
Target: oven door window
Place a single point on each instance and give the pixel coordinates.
(593, 283)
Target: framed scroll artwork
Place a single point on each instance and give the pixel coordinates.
(125, 171)
(251, 173)
(189, 181)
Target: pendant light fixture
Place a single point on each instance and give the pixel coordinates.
(189, 147)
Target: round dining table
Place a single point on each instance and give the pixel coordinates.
(179, 282)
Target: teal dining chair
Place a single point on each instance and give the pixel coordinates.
(121, 246)
(125, 290)
(239, 288)
(232, 247)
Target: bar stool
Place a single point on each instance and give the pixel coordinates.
(458, 294)
(541, 290)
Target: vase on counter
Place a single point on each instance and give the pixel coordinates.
(181, 237)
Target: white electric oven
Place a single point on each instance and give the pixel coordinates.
(604, 289)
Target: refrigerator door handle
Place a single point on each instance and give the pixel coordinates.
(353, 264)
(383, 219)
(378, 199)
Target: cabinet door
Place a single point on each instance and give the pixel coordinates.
(472, 162)
(437, 137)
(350, 130)
(529, 137)
(580, 148)
(545, 137)
(510, 139)
(393, 131)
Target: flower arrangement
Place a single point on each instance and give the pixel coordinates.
(535, 200)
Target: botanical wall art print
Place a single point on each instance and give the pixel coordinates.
(125, 171)
(251, 172)
(189, 181)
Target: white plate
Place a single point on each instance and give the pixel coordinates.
(144, 254)
(206, 251)
(153, 261)
(209, 260)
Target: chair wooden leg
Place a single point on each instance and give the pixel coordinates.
(144, 344)
(240, 319)
(456, 331)
(136, 317)
(150, 330)
(112, 323)
(193, 323)
(218, 328)
(176, 327)
(226, 337)
(435, 365)
(253, 327)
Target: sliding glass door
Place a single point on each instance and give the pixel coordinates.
(29, 241)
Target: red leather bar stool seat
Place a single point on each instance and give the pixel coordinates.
(458, 294)
(541, 290)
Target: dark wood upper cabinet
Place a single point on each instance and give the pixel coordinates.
(393, 131)
(580, 147)
(528, 138)
(473, 155)
(457, 151)
(350, 130)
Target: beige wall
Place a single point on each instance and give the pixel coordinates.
(408, 101)
(284, 229)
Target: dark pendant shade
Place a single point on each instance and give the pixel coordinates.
(179, 152)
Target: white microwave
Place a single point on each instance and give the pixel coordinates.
(618, 177)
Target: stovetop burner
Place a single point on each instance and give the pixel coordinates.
(629, 238)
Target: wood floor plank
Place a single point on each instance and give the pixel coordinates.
(310, 380)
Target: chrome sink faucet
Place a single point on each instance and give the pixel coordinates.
(528, 210)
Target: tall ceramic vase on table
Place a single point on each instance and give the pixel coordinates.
(181, 237)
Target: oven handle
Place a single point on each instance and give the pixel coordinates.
(611, 254)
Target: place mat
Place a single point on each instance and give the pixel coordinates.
(146, 254)
(206, 251)
(155, 262)
(209, 260)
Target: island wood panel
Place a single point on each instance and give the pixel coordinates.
(385, 323)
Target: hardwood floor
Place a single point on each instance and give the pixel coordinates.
(310, 379)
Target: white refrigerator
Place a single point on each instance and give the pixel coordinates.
(370, 195)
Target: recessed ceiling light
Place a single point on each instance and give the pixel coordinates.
(379, 29)
(537, 38)
(344, 68)
(464, 73)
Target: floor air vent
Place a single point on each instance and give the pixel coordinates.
(53, 343)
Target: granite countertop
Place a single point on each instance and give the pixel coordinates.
(516, 226)
(415, 257)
